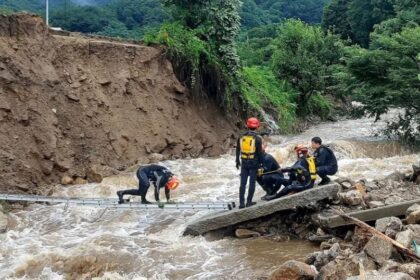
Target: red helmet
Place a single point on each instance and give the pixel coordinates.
(253, 123)
(301, 149)
(172, 184)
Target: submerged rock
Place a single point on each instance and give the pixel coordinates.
(246, 233)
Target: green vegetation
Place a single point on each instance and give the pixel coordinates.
(262, 90)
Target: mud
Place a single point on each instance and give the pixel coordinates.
(67, 103)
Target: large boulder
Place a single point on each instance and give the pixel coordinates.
(388, 223)
(405, 238)
(378, 249)
(293, 270)
(4, 222)
(375, 275)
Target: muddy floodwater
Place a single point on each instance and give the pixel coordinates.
(58, 242)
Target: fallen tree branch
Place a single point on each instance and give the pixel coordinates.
(401, 248)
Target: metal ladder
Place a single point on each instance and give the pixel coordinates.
(113, 203)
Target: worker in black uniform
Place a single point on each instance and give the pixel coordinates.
(272, 181)
(160, 176)
(249, 157)
(300, 176)
(325, 160)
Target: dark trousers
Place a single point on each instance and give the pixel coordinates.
(272, 182)
(325, 170)
(144, 185)
(251, 172)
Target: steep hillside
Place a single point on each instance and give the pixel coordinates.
(68, 103)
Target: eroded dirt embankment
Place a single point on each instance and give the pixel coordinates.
(67, 103)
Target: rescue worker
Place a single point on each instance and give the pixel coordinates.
(160, 176)
(272, 181)
(302, 174)
(249, 157)
(325, 160)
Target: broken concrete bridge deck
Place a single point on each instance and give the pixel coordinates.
(261, 209)
(329, 220)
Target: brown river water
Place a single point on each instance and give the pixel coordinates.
(58, 242)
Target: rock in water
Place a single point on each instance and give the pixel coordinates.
(293, 270)
(378, 249)
(246, 233)
(4, 221)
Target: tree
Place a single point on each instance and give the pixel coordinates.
(304, 56)
(335, 19)
(386, 75)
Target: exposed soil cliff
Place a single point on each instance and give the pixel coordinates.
(67, 103)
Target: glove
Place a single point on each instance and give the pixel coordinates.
(260, 172)
(238, 164)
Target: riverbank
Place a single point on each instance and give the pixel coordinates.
(78, 109)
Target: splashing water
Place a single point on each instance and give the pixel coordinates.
(55, 242)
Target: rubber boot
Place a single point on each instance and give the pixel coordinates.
(271, 197)
(241, 206)
(249, 204)
(324, 181)
(144, 200)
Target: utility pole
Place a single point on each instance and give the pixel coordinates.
(46, 12)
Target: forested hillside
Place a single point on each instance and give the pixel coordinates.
(132, 18)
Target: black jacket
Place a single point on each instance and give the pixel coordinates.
(259, 156)
(159, 176)
(270, 163)
(324, 156)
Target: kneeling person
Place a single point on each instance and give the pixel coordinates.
(160, 176)
(302, 174)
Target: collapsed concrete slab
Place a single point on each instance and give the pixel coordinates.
(262, 209)
(328, 220)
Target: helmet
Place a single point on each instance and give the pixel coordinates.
(172, 184)
(253, 123)
(301, 149)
